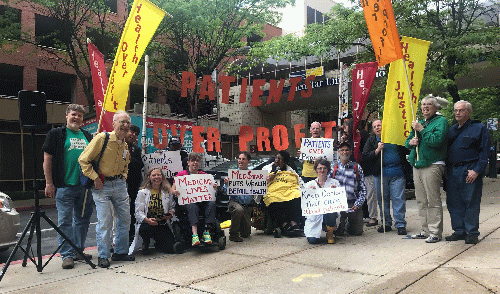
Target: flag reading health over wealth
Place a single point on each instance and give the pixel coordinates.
(398, 113)
(384, 34)
(140, 27)
(362, 80)
(99, 83)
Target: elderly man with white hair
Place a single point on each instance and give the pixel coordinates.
(427, 144)
(110, 188)
(468, 148)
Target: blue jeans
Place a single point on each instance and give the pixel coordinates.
(463, 200)
(71, 202)
(394, 191)
(112, 196)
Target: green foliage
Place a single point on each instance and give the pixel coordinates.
(202, 34)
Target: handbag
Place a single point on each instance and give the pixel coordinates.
(85, 181)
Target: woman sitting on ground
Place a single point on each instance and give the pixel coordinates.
(154, 208)
(283, 195)
(193, 209)
(314, 223)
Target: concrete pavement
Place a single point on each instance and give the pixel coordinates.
(371, 263)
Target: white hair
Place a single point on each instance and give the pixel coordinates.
(468, 106)
(118, 114)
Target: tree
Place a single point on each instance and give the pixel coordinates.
(461, 31)
(201, 36)
(77, 19)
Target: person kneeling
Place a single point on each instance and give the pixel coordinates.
(314, 223)
(154, 208)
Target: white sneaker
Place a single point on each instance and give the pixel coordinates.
(432, 239)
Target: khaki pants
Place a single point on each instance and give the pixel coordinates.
(371, 197)
(428, 193)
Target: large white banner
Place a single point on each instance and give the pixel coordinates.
(312, 148)
(169, 162)
(247, 182)
(324, 200)
(195, 188)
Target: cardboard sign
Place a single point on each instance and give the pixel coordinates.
(324, 200)
(247, 182)
(312, 148)
(195, 188)
(168, 161)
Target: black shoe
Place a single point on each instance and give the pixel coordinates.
(340, 230)
(455, 237)
(402, 231)
(103, 262)
(471, 239)
(122, 257)
(235, 238)
(79, 257)
(145, 248)
(381, 229)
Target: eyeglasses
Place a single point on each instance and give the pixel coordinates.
(460, 110)
(124, 122)
(321, 168)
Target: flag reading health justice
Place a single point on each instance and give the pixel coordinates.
(397, 108)
(99, 83)
(362, 80)
(140, 27)
(384, 34)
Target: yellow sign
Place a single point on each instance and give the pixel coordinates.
(140, 27)
(317, 71)
(398, 112)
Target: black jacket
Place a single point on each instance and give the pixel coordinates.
(54, 145)
(371, 162)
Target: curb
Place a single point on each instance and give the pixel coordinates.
(32, 208)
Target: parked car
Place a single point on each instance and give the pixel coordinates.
(9, 222)
(220, 172)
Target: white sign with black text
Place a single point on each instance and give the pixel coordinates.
(247, 182)
(323, 200)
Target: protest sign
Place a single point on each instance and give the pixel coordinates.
(168, 161)
(312, 148)
(247, 182)
(195, 188)
(324, 200)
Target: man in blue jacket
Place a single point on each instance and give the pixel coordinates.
(468, 147)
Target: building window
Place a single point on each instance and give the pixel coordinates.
(137, 94)
(48, 32)
(56, 86)
(105, 42)
(254, 39)
(311, 15)
(112, 5)
(10, 23)
(11, 79)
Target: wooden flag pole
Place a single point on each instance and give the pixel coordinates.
(410, 94)
(382, 185)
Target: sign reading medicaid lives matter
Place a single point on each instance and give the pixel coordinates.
(195, 188)
(247, 182)
(168, 161)
(312, 148)
(323, 200)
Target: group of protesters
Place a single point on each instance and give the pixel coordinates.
(128, 206)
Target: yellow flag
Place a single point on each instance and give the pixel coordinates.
(398, 113)
(140, 27)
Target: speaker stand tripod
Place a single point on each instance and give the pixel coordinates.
(34, 226)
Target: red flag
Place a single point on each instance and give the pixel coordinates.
(384, 34)
(100, 83)
(362, 80)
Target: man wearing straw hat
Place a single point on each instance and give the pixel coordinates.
(61, 150)
(427, 144)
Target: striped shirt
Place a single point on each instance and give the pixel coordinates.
(355, 188)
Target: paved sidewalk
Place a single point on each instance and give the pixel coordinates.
(371, 263)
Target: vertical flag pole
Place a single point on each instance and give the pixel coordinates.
(145, 103)
(382, 186)
(413, 114)
(339, 120)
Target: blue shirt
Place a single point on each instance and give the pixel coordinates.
(241, 199)
(470, 143)
(392, 162)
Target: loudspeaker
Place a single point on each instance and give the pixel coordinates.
(32, 108)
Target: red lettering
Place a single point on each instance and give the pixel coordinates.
(207, 88)
(280, 137)
(225, 84)
(329, 125)
(213, 139)
(197, 139)
(275, 91)
(309, 92)
(298, 134)
(188, 82)
(246, 135)
(263, 137)
(293, 87)
(243, 92)
(257, 92)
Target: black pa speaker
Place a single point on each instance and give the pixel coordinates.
(32, 108)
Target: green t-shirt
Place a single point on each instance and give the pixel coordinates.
(73, 147)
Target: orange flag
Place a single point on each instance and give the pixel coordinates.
(381, 25)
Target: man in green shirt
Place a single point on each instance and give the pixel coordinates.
(62, 148)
